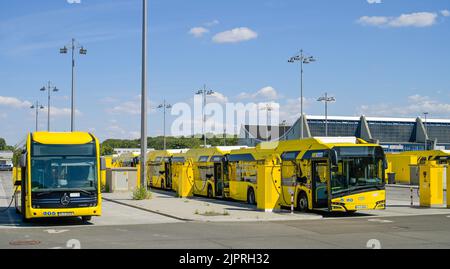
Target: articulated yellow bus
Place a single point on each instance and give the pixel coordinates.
(159, 168)
(60, 175)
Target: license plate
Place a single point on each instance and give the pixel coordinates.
(361, 206)
(65, 214)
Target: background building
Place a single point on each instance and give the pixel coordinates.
(394, 134)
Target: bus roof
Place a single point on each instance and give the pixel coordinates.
(62, 138)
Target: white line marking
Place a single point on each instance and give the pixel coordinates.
(53, 231)
(380, 220)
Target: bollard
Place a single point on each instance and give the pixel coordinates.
(411, 196)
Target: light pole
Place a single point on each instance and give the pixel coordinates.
(37, 106)
(165, 106)
(426, 129)
(73, 46)
(269, 109)
(326, 99)
(284, 123)
(49, 88)
(144, 96)
(303, 59)
(204, 92)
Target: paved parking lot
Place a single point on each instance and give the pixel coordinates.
(399, 226)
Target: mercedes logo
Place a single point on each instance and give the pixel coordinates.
(65, 200)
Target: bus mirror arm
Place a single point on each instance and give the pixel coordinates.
(18, 183)
(23, 160)
(102, 163)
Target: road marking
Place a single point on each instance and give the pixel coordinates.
(53, 231)
(380, 220)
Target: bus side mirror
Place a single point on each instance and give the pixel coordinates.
(102, 163)
(385, 164)
(23, 160)
(333, 158)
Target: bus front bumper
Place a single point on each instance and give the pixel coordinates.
(375, 200)
(64, 212)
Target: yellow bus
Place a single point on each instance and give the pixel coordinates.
(159, 168)
(332, 173)
(323, 173)
(60, 175)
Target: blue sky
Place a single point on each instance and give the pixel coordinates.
(380, 59)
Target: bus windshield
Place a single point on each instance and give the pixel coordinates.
(63, 167)
(358, 168)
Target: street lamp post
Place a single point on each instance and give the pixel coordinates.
(284, 123)
(326, 99)
(204, 92)
(73, 46)
(165, 106)
(142, 163)
(37, 106)
(49, 88)
(426, 129)
(303, 59)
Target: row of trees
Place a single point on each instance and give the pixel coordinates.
(107, 147)
(4, 146)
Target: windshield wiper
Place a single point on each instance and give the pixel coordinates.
(39, 193)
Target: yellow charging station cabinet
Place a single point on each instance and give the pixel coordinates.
(268, 184)
(431, 184)
(184, 175)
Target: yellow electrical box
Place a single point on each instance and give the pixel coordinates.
(431, 184)
(183, 179)
(269, 184)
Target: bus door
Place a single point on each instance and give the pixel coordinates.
(320, 181)
(218, 179)
(168, 174)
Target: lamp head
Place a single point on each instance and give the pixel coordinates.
(63, 50)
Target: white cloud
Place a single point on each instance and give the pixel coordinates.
(416, 105)
(266, 93)
(13, 102)
(374, 1)
(445, 13)
(418, 19)
(218, 98)
(198, 31)
(129, 107)
(373, 20)
(212, 23)
(235, 35)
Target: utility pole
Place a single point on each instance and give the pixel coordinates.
(303, 59)
(49, 89)
(326, 99)
(144, 95)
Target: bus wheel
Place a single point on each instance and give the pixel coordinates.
(86, 219)
(210, 192)
(251, 197)
(302, 202)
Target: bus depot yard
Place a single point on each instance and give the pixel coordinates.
(315, 192)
